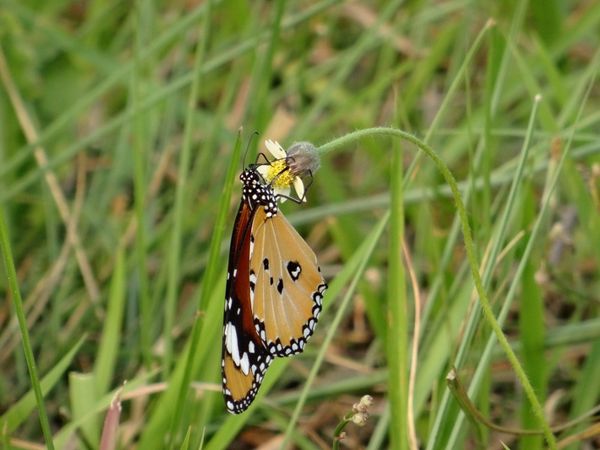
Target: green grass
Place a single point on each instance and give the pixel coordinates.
(122, 131)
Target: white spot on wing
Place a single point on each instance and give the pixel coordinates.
(245, 363)
(231, 343)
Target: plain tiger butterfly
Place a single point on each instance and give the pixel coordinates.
(274, 289)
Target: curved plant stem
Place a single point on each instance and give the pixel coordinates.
(471, 256)
(337, 434)
(462, 397)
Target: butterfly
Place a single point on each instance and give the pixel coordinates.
(274, 289)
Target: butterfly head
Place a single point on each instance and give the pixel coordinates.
(257, 193)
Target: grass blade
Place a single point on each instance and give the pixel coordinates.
(15, 292)
(397, 314)
(21, 410)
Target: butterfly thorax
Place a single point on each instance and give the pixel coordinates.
(257, 194)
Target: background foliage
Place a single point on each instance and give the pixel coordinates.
(119, 155)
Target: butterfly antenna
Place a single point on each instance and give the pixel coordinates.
(255, 133)
(258, 163)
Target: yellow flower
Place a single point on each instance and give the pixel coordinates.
(278, 173)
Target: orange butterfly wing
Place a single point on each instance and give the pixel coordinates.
(245, 359)
(286, 285)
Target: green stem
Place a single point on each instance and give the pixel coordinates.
(140, 131)
(11, 275)
(338, 431)
(471, 256)
(397, 312)
(180, 191)
(208, 284)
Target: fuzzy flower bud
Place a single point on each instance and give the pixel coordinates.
(360, 418)
(363, 406)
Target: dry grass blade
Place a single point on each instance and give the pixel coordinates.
(412, 432)
(108, 440)
(37, 300)
(53, 184)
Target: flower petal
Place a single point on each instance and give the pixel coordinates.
(263, 170)
(282, 191)
(276, 150)
(299, 187)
